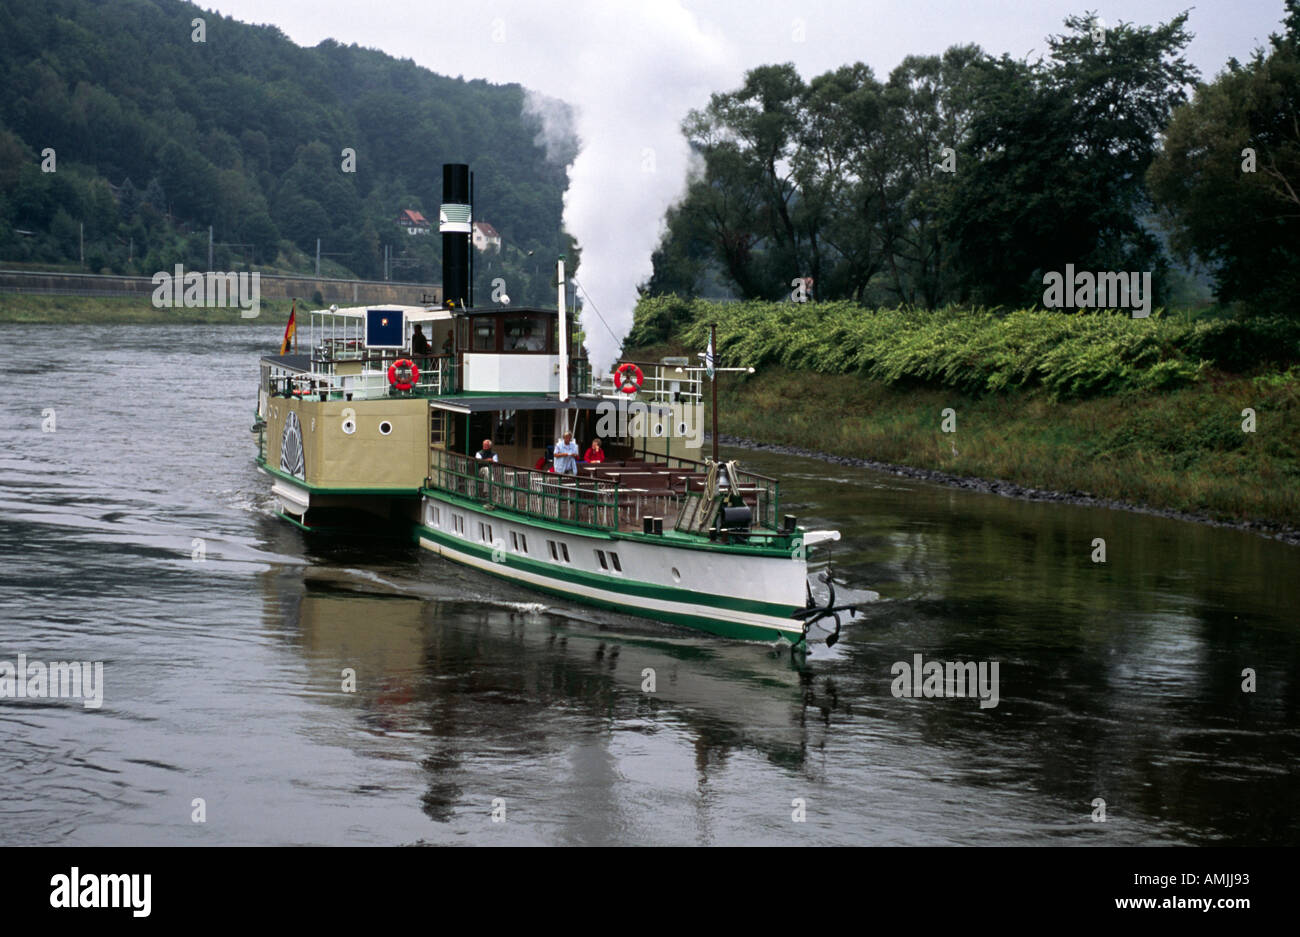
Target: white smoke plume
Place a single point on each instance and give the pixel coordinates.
(631, 71)
(558, 133)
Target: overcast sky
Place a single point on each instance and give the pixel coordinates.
(633, 68)
(490, 39)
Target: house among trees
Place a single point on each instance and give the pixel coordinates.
(413, 222)
(486, 237)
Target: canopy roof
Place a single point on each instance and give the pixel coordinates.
(412, 313)
(508, 310)
(479, 404)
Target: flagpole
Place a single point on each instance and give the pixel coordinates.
(713, 380)
(293, 314)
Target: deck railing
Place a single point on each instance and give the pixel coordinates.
(437, 377)
(765, 490)
(662, 383)
(583, 501)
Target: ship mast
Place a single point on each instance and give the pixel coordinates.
(563, 326)
(713, 382)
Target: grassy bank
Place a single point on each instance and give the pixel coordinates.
(1147, 411)
(978, 351)
(1183, 450)
(93, 310)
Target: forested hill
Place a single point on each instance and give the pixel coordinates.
(244, 131)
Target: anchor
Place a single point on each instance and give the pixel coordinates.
(814, 613)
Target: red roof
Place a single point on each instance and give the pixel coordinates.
(413, 217)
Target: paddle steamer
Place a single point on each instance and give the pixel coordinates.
(366, 424)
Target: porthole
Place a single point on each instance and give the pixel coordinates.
(659, 429)
(681, 428)
(349, 426)
(385, 428)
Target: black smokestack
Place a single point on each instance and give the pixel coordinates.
(454, 224)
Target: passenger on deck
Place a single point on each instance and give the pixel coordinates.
(486, 452)
(566, 456)
(545, 457)
(594, 454)
(420, 349)
(420, 344)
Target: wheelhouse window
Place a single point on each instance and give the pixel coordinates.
(525, 333)
(484, 329)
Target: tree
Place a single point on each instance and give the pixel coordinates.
(1054, 167)
(1226, 181)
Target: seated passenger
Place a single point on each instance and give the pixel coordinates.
(594, 454)
(486, 452)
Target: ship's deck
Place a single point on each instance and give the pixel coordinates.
(617, 495)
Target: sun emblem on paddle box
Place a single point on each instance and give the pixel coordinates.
(291, 459)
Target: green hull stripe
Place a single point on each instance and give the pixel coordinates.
(299, 524)
(723, 629)
(626, 586)
(720, 627)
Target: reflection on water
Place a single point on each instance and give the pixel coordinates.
(361, 691)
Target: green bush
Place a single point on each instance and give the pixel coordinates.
(975, 351)
(1242, 344)
(657, 317)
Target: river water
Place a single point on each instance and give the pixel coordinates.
(138, 533)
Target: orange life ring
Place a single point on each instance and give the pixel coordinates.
(401, 382)
(632, 382)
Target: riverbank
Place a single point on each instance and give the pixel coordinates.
(1180, 453)
(137, 310)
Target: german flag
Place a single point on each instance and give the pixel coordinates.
(290, 329)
